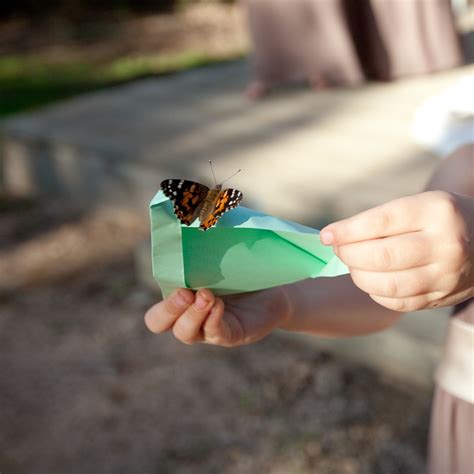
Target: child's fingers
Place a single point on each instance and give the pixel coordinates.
(396, 217)
(413, 303)
(399, 252)
(188, 327)
(400, 284)
(162, 316)
(216, 331)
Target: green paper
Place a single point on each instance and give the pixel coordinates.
(246, 251)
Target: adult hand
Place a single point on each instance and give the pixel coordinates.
(412, 253)
(230, 321)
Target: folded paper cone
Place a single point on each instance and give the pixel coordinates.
(246, 251)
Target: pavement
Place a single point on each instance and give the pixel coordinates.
(307, 156)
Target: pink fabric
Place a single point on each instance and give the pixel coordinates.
(344, 41)
(296, 39)
(451, 441)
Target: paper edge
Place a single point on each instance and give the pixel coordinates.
(158, 200)
(283, 225)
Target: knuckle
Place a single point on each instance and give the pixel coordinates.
(451, 283)
(446, 277)
(180, 334)
(404, 305)
(386, 258)
(384, 220)
(170, 306)
(357, 279)
(455, 257)
(416, 304)
(392, 287)
(459, 250)
(420, 250)
(401, 304)
(445, 203)
(424, 285)
(411, 306)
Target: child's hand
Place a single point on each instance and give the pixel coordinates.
(202, 317)
(412, 253)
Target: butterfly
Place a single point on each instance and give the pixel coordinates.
(194, 200)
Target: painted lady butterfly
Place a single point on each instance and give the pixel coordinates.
(194, 200)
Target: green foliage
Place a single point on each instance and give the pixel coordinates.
(27, 82)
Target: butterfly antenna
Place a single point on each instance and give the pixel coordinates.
(213, 175)
(237, 172)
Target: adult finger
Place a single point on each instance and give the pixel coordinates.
(387, 254)
(162, 316)
(400, 284)
(188, 327)
(396, 217)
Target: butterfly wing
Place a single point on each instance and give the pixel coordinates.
(187, 196)
(226, 200)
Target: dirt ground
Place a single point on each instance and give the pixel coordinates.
(85, 388)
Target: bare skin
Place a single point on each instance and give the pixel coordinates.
(416, 252)
(412, 253)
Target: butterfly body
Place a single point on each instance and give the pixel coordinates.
(193, 200)
(208, 205)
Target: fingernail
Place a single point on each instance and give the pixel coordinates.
(201, 301)
(327, 237)
(182, 299)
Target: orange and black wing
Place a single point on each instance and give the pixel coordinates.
(226, 200)
(187, 196)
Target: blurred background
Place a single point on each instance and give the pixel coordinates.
(328, 106)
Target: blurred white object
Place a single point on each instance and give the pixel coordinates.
(460, 6)
(446, 121)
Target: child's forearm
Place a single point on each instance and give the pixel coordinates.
(334, 307)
